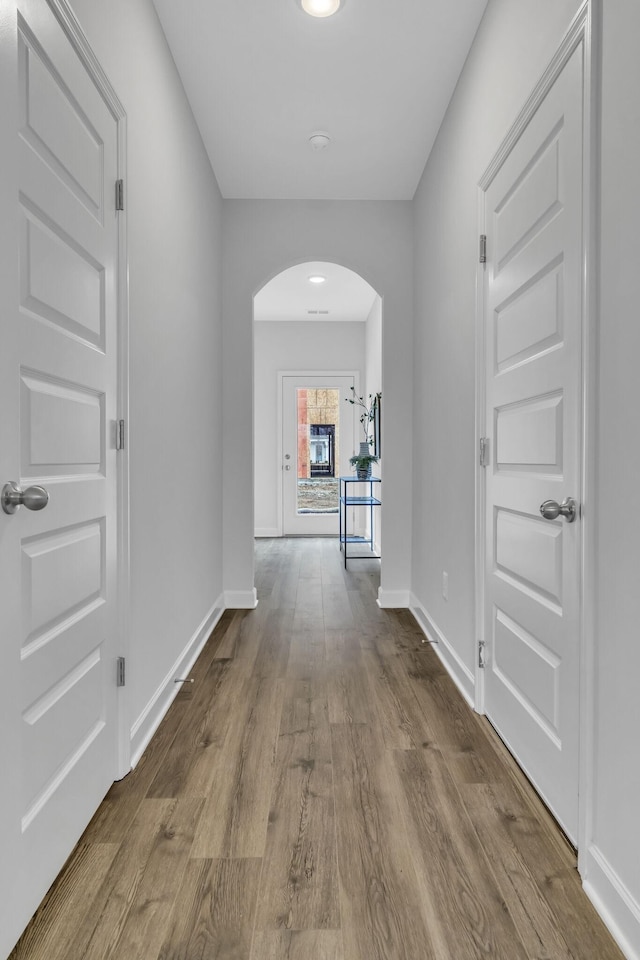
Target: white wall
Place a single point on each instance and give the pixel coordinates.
(291, 345)
(373, 348)
(261, 239)
(174, 230)
(514, 44)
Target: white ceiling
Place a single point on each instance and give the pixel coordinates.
(261, 76)
(290, 296)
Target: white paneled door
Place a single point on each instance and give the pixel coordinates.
(58, 390)
(533, 324)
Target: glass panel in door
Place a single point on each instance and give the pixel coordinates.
(318, 442)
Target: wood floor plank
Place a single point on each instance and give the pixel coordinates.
(466, 908)
(186, 771)
(230, 631)
(275, 643)
(457, 729)
(307, 651)
(332, 570)
(282, 589)
(234, 820)
(350, 697)
(114, 817)
(97, 935)
(298, 945)
(336, 607)
(148, 916)
(53, 929)
(404, 726)
(509, 830)
(382, 915)
(299, 888)
(537, 927)
(310, 561)
(309, 599)
(214, 911)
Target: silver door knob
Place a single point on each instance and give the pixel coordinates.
(13, 496)
(551, 509)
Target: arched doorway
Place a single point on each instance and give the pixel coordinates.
(317, 334)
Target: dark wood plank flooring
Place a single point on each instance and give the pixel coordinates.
(321, 792)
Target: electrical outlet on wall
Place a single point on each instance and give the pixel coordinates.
(445, 584)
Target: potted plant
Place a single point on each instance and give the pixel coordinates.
(363, 464)
(363, 460)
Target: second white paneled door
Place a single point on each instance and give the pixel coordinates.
(58, 388)
(533, 331)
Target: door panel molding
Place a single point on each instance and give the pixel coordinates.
(64, 14)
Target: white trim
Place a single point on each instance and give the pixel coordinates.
(457, 670)
(480, 472)
(69, 23)
(266, 532)
(613, 901)
(124, 525)
(241, 599)
(393, 599)
(588, 711)
(149, 720)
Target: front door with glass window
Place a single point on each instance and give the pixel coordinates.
(317, 441)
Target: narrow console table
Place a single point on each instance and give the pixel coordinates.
(348, 498)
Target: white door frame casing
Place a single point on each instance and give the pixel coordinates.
(579, 34)
(72, 28)
(280, 449)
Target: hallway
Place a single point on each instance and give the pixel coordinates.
(320, 792)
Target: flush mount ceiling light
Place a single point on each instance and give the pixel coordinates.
(321, 8)
(317, 278)
(319, 140)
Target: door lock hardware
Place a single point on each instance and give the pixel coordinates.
(551, 509)
(13, 496)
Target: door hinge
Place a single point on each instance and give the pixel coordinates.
(120, 674)
(119, 194)
(481, 657)
(484, 451)
(483, 248)
(120, 435)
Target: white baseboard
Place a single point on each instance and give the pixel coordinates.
(393, 599)
(613, 901)
(457, 670)
(241, 599)
(266, 532)
(149, 720)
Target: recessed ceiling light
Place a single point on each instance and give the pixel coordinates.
(317, 279)
(321, 8)
(319, 139)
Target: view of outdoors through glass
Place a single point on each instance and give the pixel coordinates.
(318, 450)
